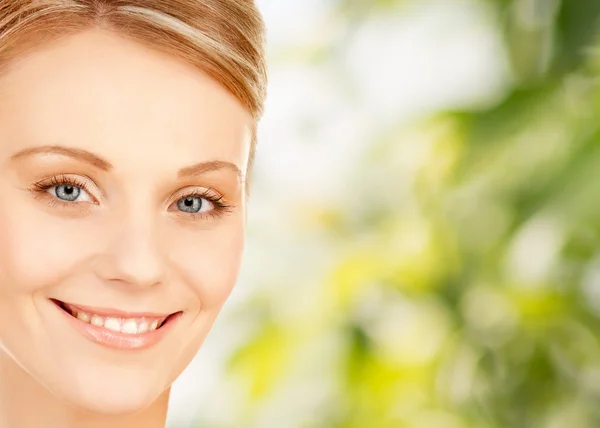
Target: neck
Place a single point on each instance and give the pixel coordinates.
(24, 403)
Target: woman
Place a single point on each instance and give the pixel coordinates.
(127, 130)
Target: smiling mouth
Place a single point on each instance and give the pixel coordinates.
(129, 325)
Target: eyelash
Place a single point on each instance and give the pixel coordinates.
(41, 187)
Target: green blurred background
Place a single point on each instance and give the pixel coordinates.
(424, 229)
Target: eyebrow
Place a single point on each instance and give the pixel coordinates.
(78, 154)
(98, 162)
(204, 167)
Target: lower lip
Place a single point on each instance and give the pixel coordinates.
(120, 341)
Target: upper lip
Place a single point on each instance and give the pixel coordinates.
(115, 313)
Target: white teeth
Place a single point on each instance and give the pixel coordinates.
(112, 324)
(96, 320)
(119, 325)
(143, 327)
(129, 326)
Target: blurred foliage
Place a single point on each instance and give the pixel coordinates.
(465, 291)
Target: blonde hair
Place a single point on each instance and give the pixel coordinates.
(223, 38)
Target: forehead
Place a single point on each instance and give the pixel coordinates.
(102, 92)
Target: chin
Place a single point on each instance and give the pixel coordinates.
(114, 405)
(119, 400)
(108, 389)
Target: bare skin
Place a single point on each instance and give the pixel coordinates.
(143, 140)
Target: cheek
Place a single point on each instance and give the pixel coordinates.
(38, 249)
(209, 261)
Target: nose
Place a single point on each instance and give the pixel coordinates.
(132, 255)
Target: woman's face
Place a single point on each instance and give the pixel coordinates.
(122, 195)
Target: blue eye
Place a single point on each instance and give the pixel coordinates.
(69, 193)
(193, 204)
